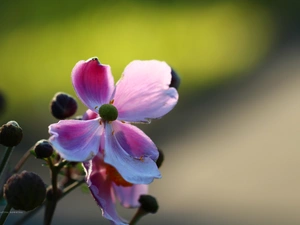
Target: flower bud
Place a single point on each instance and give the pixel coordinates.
(175, 82)
(160, 159)
(63, 106)
(148, 203)
(43, 149)
(24, 191)
(11, 134)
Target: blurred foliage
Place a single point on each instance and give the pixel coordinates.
(205, 43)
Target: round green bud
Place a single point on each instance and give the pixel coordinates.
(43, 149)
(11, 134)
(148, 203)
(108, 112)
(24, 191)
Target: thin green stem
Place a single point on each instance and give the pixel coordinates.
(22, 161)
(54, 172)
(5, 214)
(51, 204)
(71, 187)
(61, 165)
(5, 158)
(137, 216)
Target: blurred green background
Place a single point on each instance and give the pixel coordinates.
(209, 43)
(205, 42)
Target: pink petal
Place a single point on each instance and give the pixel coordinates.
(89, 115)
(143, 93)
(102, 192)
(93, 83)
(129, 196)
(76, 140)
(136, 170)
(134, 141)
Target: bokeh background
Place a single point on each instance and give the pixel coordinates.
(232, 142)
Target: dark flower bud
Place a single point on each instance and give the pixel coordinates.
(148, 203)
(175, 82)
(24, 191)
(160, 159)
(63, 106)
(11, 134)
(43, 149)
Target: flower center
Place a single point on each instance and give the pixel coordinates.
(108, 112)
(114, 176)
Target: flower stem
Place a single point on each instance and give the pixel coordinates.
(22, 161)
(5, 214)
(51, 204)
(71, 187)
(137, 216)
(5, 158)
(61, 165)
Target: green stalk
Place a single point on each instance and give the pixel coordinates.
(137, 216)
(5, 159)
(51, 204)
(71, 187)
(5, 214)
(22, 161)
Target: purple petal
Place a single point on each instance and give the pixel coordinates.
(134, 141)
(76, 140)
(136, 170)
(129, 196)
(143, 93)
(102, 191)
(93, 83)
(89, 115)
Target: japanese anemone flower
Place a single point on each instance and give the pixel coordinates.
(143, 93)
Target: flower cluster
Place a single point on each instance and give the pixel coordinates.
(119, 159)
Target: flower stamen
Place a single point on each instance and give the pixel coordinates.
(141, 158)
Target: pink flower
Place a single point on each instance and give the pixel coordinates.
(142, 94)
(106, 184)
